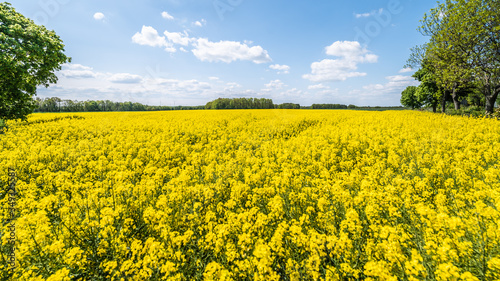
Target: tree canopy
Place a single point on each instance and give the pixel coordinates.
(463, 49)
(240, 103)
(29, 56)
(409, 98)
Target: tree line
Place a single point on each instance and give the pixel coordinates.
(333, 106)
(56, 104)
(248, 103)
(461, 63)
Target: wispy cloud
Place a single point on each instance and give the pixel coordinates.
(367, 15)
(167, 16)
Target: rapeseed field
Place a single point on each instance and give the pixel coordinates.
(250, 195)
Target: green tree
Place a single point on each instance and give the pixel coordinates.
(428, 93)
(465, 41)
(29, 56)
(450, 69)
(409, 98)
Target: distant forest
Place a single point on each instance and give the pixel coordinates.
(56, 104)
(59, 105)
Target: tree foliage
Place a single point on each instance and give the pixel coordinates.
(409, 98)
(330, 106)
(240, 103)
(29, 56)
(289, 105)
(463, 50)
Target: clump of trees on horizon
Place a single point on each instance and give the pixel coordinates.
(289, 105)
(240, 103)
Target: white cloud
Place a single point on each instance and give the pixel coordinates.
(125, 78)
(178, 38)
(351, 54)
(285, 69)
(149, 37)
(229, 51)
(167, 16)
(372, 13)
(201, 23)
(75, 66)
(405, 70)
(77, 71)
(99, 16)
(318, 87)
(275, 85)
(204, 50)
(395, 83)
(332, 70)
(352, 51)
(213, 78)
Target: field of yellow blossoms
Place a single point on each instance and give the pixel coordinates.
(251, 195)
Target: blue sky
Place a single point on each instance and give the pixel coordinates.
(174, 52)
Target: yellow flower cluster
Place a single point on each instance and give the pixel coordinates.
(253, 195)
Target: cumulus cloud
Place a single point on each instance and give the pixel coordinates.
(150, 37)
(351, 54)
(99, 16)
(282, 69)
(229, 51)
(351, 51)
(333, 70)
(178, 38)
(202, 48)
(167, 16)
